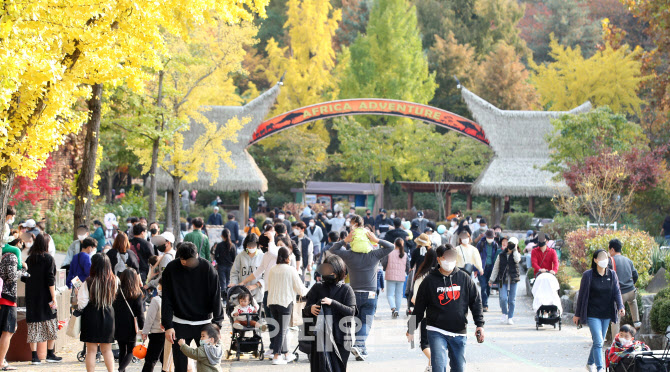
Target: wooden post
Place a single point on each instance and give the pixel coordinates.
(469, 200)
(506, 207)
(410, 199)
(244, 211)
(531, 204)
(447, 204)
(496, 210)
(168, 213)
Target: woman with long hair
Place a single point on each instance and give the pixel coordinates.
(41, 309)
(224, 255)
(121, 256)
(429, 262)
(128, 307)
(94, 299)
(396, 267)
(599, 303)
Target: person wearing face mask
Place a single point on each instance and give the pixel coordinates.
(316, 234)
(281, 216)
(542, 258)
(215, 219)
(337, 222)
(164, 245)
(599, 303)
(9, 220)
(420, 221)
(98, 235)
(81, 262)
(468, 256)
(474, 225)
(305, 247)
(506, 274)
(368, 219)
(453, 226)
(396, 233)
(75, 247)
(445, 296)
(624, 344)
(335, 300)
(462, 226)
(191, 299)
(488, 251)
(251, 228)
(246, 263)
(382, 223)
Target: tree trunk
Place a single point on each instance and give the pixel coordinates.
(175, 208)
(6, 182)
(154, 154)
(110, 185)
(82, 200)
(168, 212)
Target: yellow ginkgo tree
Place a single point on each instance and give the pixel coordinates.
(52, 52)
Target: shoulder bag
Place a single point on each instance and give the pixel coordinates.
(137, 328)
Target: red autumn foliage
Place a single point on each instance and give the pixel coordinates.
(26, 189)
(643, 168)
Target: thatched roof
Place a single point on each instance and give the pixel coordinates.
(246, 176)
(520, 149)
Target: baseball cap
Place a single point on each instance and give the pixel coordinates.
(29, 223)
(162, 238)
(513, 240)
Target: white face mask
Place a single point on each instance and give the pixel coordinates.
(347, 223)
(28, 244)
(447, 265)
(453, 223)
(465, 241)
(311, 224)
(281, 217)
(129, 224)
(251, 250)
(10, 221)
(489, 241)
(329, 215)
(296, 232)
(393, 216)
(603, 263)
(626, 341)
(478, 220)
(81, 237)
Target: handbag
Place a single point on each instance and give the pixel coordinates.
(137, 327)
(74, 325)
(296, 314)
(467, 267)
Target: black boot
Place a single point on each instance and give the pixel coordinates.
(36, 359)
(52, 358)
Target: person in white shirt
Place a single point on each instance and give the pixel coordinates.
(9, 220)
(284, 285)
(467, 254)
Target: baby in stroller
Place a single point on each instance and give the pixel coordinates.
(242, 308)
(624, 344)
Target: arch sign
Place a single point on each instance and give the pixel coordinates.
(369, 106)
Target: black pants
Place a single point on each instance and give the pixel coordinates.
(283, 316)
(125, 354)
(154, 351)
(188, 333)
(268, 313)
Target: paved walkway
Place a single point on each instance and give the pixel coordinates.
(517, 348)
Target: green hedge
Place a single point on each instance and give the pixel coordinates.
(518, 221)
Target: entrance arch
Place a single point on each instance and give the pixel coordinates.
(369, 106)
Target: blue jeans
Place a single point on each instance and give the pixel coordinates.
(394, 293)
(508, 300)
(439, 345)
(484, 284)
(366, 311)
(224, 279)
(598, 329)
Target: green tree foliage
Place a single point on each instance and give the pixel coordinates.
(568, 20)
(576, 137)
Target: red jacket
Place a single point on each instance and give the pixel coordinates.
(547, 260)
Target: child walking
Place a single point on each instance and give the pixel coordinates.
(209, 353)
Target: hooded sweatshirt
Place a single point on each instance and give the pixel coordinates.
(445, 300)
(207, 356)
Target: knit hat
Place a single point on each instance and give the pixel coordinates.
(423, 241)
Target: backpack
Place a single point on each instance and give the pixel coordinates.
(120, 264)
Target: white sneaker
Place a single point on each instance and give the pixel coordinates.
(591, 367)
(429, 369)
(289, 358)
(503, 319)
(510, 321)
(278, 361)
(637, 325)
(269, 353)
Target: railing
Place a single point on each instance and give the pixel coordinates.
(598, 225)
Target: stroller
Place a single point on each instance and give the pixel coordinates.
(546, 303)
(645, 361)
(247, 339)
(81, 356)
(304, 345)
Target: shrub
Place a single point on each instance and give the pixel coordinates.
(530, 273)
(563, 281)
(660, 314)
(562, 225)
(361, 211)
(518, 221)
(637, 245)
(62, 241)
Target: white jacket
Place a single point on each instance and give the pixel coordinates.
(244, 266)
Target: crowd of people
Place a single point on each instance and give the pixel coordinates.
(330, 266)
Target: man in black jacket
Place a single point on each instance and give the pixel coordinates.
(191, 299)
(445, 296)
(368, 219)
(396, 233)
(234, 229)
(142, 249)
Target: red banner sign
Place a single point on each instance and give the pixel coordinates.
(369, 106)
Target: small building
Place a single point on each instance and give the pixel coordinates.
(347, 194)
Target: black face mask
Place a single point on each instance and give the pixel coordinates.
(542, 244)
(161, 248)
(329, 279)
(368, 213)
(153, 231)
